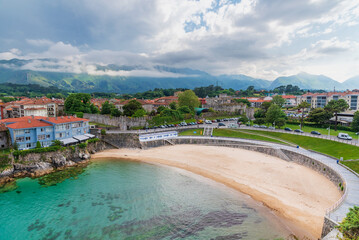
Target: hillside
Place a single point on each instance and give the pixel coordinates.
(308, 81)
(14, 71)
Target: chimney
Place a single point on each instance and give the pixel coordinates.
(32, 116)
(29, 121)
(68, 117)
(55, 118)
(62, 117)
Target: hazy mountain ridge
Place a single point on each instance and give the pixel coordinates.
(14, 71)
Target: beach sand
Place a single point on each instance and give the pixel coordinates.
(295, 193)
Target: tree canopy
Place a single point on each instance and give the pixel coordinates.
(188, 98)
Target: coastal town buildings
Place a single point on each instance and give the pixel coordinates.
(41, 107)
(27, 131)
(224, 103)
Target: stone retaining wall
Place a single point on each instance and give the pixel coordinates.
(123, 122)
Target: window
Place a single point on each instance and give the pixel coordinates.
(42, 129)
(41, 137)
(27, 131)
(354, 103)
(28, 138)
(28, 145)
(20, 139)
(47, 136)
(309, 100)
(321, 101)
(335, 98)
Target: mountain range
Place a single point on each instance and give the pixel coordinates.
(110, 78)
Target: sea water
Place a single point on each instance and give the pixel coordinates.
(132, 200)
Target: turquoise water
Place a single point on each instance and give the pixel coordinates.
(130, 200)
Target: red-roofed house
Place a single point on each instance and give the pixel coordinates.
(27, 131)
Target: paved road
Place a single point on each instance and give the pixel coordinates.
(351, 196)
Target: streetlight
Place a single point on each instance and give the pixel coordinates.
(358, 136)
(328, 131)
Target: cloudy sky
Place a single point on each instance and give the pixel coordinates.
(259, 38)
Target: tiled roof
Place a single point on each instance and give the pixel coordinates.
(64, 119)
(31, 122)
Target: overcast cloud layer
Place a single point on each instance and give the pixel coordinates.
(263, 39)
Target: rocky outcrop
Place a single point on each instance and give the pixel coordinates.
(39, 164)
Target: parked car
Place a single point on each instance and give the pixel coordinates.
(315, 133)
(208, 122)
(221, 124)
(298, 131)
(263, 126)
(344, 136)
(183, 124)
(271, 128)
(256, 126)
(288, 129)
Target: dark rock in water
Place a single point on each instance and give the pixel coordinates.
(74, 210)
(231, 237)
(37, 225)
(18, 192)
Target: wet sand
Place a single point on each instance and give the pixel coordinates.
(295, 193)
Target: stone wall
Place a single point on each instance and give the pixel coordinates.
(124, 123)
(328, 226)
(122, 140)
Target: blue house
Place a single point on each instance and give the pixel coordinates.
(27, 131)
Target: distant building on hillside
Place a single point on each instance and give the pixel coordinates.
(224, 103)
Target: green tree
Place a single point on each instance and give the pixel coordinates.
(244, 101)
(184, 110)
(115, 112)
(38, 144)
(336, 106)
(302, 106)
(280, 122)
(107, 108)
(355, 123)
(319, 116)
(78, 102)
(139, 113)
(278, 100)
(173, 105)
(274, 113)
(188, 98)
(94, 109)
(131, 107)
(160, 109)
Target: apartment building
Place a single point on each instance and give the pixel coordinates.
(27, 131)
(320, 100)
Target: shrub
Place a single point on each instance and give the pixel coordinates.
(38, 144)
(93, 140)
(103, 132)
(17, 153)
(350, 225)
(83, 145)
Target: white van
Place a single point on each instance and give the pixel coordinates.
(344, 136)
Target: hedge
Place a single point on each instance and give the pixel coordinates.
(93, 140)
(17, 153)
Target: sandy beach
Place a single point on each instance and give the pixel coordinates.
(294, 192)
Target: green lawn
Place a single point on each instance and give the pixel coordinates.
(354, 165)
(323, 131)
(100, 124)
(229, 133)
(331, 148)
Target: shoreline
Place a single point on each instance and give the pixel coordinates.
(293, 192)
